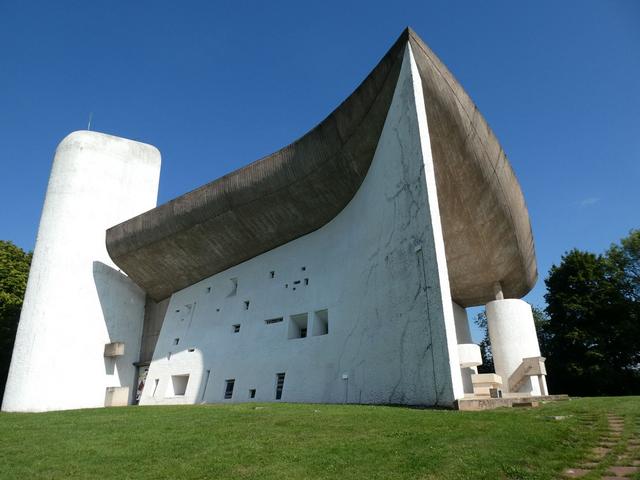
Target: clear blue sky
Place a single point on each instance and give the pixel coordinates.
(216, 85)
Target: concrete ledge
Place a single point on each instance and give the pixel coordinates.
(477, 404)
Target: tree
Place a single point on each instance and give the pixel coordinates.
(594, 321)
(14, 270)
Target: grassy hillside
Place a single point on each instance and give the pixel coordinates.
(287, 441)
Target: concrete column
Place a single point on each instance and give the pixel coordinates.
(463, 337)
(513, 337)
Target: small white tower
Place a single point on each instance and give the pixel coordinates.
(76, 301)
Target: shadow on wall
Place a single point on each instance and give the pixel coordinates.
(122, 303)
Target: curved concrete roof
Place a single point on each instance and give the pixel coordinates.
(300, 188)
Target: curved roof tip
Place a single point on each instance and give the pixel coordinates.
(301, 187)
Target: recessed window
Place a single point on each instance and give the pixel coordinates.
(272, 274)
(279, 385)
(306, 281)
(298, 325)
(228, 389)
(297, 282)
(321, 322)
(252, 393)
(286, 285)
(208, 289)
(176, 341)
(234, 287)
(304, 268)
(192, 350)
(236, 328)
(206, 382)
(271, 321)
(246, 304)
(177, 387)
(155, 386)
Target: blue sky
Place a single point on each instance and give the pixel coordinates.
(216, 85)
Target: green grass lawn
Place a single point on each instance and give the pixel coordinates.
(291, 441)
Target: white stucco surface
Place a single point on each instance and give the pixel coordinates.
(76, 301)
(513, 337)
(375, 277)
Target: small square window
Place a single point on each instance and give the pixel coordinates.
(176, 341)
(178, 385)
(298, 325)
(236, 328)
(320, 322)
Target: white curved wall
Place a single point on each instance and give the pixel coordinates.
(379, 269)
(76, 301)
(513, 337)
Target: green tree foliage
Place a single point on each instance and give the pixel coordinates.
(593, 331)
(14, 270)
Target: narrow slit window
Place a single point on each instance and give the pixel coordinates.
(279, 385)
(155, 386)
(228, 389)
(234, 287)
(271, 321)
(246, 304)
(306, 281)
(272, 274)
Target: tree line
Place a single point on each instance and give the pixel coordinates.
(589, 331)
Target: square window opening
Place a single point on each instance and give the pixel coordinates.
(176, 341)
(228, 388)
(298, 325)
(321, 322)
(177, 387)
(236, 328)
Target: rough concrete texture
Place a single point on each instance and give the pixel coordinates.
(376, 274)
(306, 184)
(76, 302)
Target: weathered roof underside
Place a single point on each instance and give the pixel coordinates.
(300, 188)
